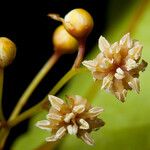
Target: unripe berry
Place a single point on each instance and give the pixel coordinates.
(63, 41)
(7, 51)
(79, 23)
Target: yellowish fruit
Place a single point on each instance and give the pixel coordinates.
(79, 23)
(63, 41)
(7, 51)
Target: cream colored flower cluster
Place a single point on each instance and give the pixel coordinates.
(76, 117)
(118, 66)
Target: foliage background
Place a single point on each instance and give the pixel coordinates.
(127, 125)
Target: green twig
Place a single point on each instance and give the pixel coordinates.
(81, 51)
(22, 101)
(3, 136)
(35, 109)
(1, 93)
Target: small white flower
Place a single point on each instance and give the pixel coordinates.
(118, 66)
(77, 117)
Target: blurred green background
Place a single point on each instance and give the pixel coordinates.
(127, 124)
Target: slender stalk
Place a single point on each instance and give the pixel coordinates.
(35, 109)
(22, 101)
(80, 55)
(41, 74)
(1, 92)
(4, 134)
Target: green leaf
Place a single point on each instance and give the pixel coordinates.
(127, 124)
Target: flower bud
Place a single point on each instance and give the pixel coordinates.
(63, 41)
(79, 23)
(7, 51)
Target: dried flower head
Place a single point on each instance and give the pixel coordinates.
(118, 66)
(76, 117)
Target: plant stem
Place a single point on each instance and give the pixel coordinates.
(35, 109)
(41, 74)
(1, 92)
(80, 55)
(4, 134)
(27, 114)
(38, 107)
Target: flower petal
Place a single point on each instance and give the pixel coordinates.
(60, 133)
(43, 124)
(95, 111)
(135, 52)
(55, 102)
(79, 100)
(87, 139)
(135, 84)
(84, 125)
(68, 117)
(90, 64)
(106, 63)
(107, 82)
(121, 95)
(54, 116)
(79, 109)
(131, 64)
(115, 48)
(126, 41)
(72, 129)
(119, 74)
(51, 139)
(120, 91)
(103, 44)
